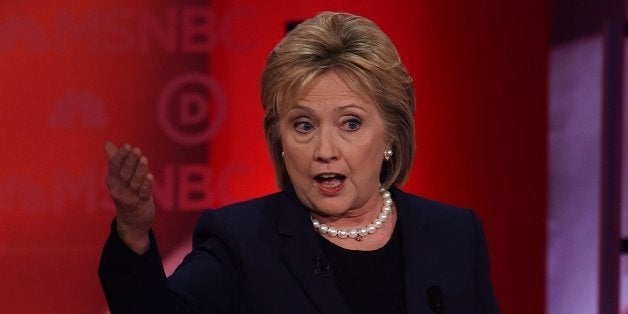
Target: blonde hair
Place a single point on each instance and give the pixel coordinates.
(363, 55)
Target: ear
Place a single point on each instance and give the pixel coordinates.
(388, 152)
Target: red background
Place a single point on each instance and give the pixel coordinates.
(480, 69)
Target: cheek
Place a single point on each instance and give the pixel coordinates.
(367, 160)
(295, 161)
(371, 149)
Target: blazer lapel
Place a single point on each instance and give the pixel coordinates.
(303, 255)
(421, 265)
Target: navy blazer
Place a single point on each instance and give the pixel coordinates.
(262, 256)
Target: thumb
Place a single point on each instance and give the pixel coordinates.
(110, 149)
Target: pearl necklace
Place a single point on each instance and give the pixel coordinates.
(358, 233)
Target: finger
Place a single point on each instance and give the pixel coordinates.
(130, 163)
(110, 150)
(115, 163)
(140, 174)
(146, 189)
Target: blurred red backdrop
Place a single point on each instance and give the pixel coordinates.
(180, 80)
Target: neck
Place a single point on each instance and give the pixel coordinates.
(359, 232)
(372, 241)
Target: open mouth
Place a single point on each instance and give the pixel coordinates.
(330, 183)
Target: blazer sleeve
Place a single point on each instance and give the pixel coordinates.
(205, 282)
(134, 283)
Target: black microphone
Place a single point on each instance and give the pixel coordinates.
(322, 267)
(435, 298)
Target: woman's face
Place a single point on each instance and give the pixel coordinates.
(333, 142)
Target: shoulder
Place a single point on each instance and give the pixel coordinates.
(242, 221)
(423, 211)
(255, 215)
(451, 229)
(432, 208)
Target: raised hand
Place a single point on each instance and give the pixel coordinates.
(130, 186)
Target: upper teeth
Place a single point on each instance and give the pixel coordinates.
(327, 176)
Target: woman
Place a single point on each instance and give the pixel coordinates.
(340, 237)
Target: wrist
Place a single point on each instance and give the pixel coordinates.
(136, 239)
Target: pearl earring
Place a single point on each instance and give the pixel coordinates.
(387, 154)
(282, 154)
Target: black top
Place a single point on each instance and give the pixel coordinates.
(370, 281)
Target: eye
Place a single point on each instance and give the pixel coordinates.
(303, 126)
(351, 124)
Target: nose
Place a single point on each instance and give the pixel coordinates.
(327, 146)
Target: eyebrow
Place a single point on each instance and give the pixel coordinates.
(340, 108)
(300, 107)
(349, 106)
